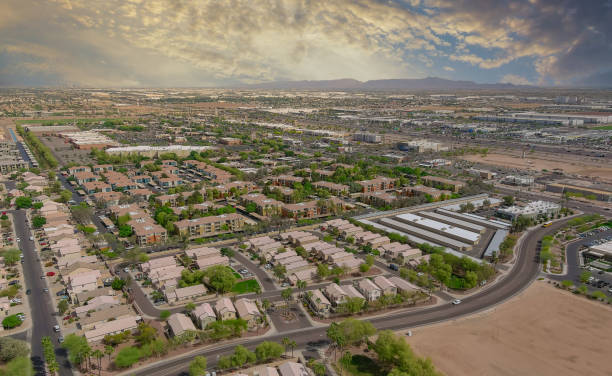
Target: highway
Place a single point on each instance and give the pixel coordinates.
(41, 305)
(525, 270)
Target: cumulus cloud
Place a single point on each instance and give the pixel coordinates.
(207, 42)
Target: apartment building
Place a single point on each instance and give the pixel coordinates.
(264, 206)
(286, 180)
(210, 226)
(443, 183)
(378, 184)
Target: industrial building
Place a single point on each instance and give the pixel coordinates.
(458, 233)
(421, 146)
(601, 192)
(371, 138)
(518, 180)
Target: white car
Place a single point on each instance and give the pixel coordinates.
(56, 328)
(31, 238)
(456, 301)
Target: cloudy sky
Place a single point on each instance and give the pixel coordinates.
(228, 42)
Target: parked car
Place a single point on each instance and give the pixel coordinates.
(50, 274)
(456, 301)
(56, 328)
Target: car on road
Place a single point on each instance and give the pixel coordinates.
(60, 339)
(31, 238)
(56, 328)
(456, 301)
(18, 239)
(28, 292)
(45, 290)
(42, 277)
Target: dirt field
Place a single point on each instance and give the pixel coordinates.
(544, 331)
(569, 164)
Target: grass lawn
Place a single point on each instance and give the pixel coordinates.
(361, 365)
(250, 285)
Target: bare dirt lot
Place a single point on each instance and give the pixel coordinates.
(543, 331)
(537, 162)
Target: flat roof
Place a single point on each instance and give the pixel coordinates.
(441, 239)
(439, 226)
(457, 222)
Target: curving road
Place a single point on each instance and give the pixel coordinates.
(526, 269)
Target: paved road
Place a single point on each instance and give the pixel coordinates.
(266, 282)
(573, 263)
(526, 269)
(78, 199)
(41, 304)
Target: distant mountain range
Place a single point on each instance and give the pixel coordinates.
(429, 83)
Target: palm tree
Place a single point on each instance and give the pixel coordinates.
(285, 341)
(301, 284)
(109, 350)
(98, 355)
(292, 344)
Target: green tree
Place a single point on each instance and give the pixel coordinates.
(370, 260)
(108, 351)
(508, 200)
(164, 315)
(349, 332)
(584, 276)
(62, 306)
(323, 271)
(118, 284)
(23, 202)
(352, 305)
(190, 307)
(77, 347)
(242, 356)
(394, 353)
(267, 351)
(11, 256)
(221, 278)
(10, 322)
(146, 334)
(279, 271)
(197, 367)
(38, 221)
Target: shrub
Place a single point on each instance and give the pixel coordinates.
(11, 322)
(127, 357)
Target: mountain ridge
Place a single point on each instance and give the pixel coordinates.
(428, 83)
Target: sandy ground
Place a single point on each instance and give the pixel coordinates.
(543, 331)
(539, 162)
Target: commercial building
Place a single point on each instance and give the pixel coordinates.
(371, 138)
(155, 151)
(421, 146)
(88, 140)
(531, 210)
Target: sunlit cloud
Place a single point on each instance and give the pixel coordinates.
(209, 43)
